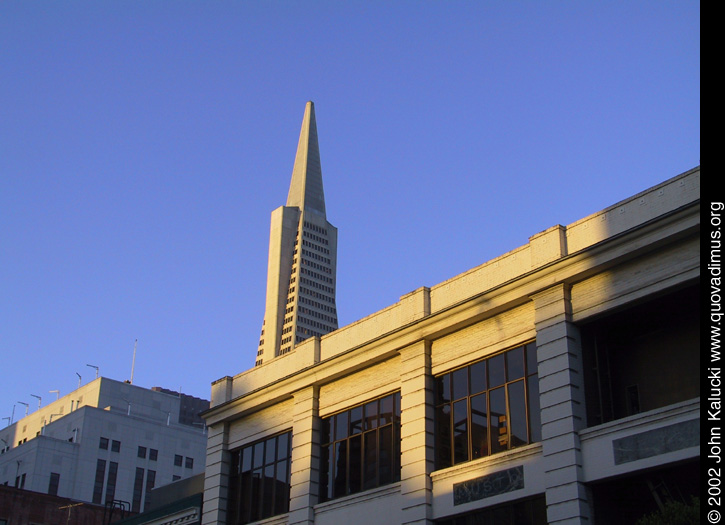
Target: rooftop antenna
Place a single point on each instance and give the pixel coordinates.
(79, 379)
(38, 398)
(26, 406)
(133, 363)
(94, 366)
(56, 392)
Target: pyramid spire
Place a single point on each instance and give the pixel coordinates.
(301, 270)
(306, 191)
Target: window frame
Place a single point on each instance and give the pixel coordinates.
(252, 463)
(454, 406)
(363, 440)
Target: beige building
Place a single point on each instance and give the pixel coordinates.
(557, 383)
(302, 266)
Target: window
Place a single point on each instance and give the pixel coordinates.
(103, 444)
(137, 490)
(189, 463)
(53, 484)
(98, 484)
(111, 482)
(361, 448)
(115, 446)
(142, 452)
(150, 483)
(178, 460)
(487, 407)
(153, 454)
(259, 482)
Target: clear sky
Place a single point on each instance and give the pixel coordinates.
(144, 144)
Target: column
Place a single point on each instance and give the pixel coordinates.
(216, 479)
(561, 385)
(417, 434)
(305, 466)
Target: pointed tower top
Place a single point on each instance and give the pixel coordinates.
(306, 190)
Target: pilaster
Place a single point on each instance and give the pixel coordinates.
(216, 479)
(561, 386)
(417, 434)
(305, 466)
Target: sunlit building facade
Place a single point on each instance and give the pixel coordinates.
(557, 383)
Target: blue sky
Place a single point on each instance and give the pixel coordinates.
(143, 146)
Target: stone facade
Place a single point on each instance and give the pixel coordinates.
(568, 297)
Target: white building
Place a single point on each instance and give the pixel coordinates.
(557, 383)
(106, 441)
(302, 267)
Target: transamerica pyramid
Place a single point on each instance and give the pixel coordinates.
(302, 265)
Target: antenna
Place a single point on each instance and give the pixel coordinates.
(56, 392)
(38, 398)
(133, 363)
(94, 366)
(79, 379)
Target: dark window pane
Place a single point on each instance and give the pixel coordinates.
(479, 427)
(98, 484)
(371, 415)
(385, 465)
(515, 363)
(325, 462)
(268, 491)
(246, 459)
(443, 436)
(355, 464)
(150, 484)
(258, 455)
(356, 420)
(386, 410)
(53, 483)
(153, 454)
(443, 389)
(499, 422)
(111, 482)
(115, 446)
(341, 426)
(281, 494)
(257, 491)
(325, 437)
(141, 452)
(103, 443)
(370, 460)
(534, 408)
(137, 490)
(178, 460)
(478, 377)
(517, 411)
(460, 431)
(340, 470)
(270, 449)
(282, 446)
(189, 463)
(460, 383)
(496, 372)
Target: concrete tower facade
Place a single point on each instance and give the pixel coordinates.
(301, 272)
